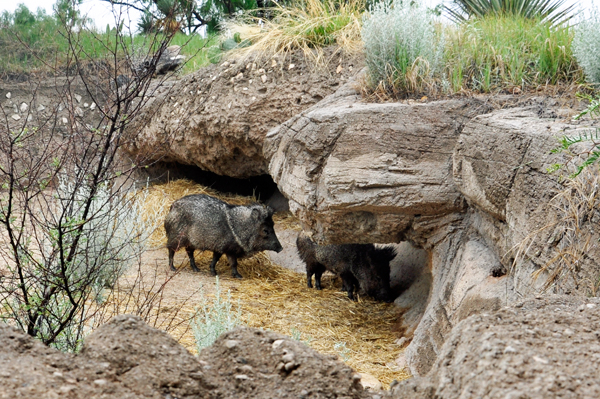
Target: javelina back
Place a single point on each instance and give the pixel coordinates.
(359, 265)
(202, 222)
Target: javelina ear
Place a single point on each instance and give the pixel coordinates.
(255, 214)
(385, 254)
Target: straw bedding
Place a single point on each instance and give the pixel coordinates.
(277, 299)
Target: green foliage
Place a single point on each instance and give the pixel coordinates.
(402, 46)
(340, 348)
(493, 52)
(586, 46)
(213, 319)
(551, 11)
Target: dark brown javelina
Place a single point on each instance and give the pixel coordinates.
(361, 266)
(205, 223)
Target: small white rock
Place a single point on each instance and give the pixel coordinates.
(16, 117)
(78, 111)
(78, 98)
(100, 382)
(591, 305)
(292, 66)
(263, 78)
(288, 358)
(250, 81)
(23, 107)
(8, 95)
(40, 108)
(64, 120)
(540, 360)
(93, 106)
(510, 349)
(242, 377)
(277, 343)
(231, 343)
(85, 105)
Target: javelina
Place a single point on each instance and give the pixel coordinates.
(202, 222)
(359, 265)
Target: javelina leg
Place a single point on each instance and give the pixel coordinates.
(233, 263)
(215, 259)
(190, 252)
(171, 255)
(348, 285)
(318, 273)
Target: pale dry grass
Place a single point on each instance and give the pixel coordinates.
(277, 299)
(308, 25)
(571, 236)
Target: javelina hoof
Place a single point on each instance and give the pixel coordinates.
(213, 272)
(236, 275)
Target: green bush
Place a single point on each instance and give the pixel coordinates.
(508, 51)
(402, 47)
(586, 46)
(213, 319)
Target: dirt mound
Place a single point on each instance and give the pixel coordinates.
(543, 348)
(254, 363)
(126, 358)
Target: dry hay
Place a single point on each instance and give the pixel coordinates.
(277, 299)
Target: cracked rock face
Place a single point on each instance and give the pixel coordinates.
(541, 348)
(457, 178)
(217, 118)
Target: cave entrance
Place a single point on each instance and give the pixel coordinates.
(262, 187)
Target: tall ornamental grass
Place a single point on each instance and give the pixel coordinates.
(402, 47)
(495, 52)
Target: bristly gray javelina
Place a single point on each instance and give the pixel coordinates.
(205, 223)
(359, 265)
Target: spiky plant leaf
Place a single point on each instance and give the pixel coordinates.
(546, 10)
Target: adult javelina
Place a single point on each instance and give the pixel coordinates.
(359, 265)
(202, 222)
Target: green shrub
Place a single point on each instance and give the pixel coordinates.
(402, 47)
(213, 319)
(507, 51)
(586, 46)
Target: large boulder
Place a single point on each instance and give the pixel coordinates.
(466, 182)
(541, 348)
(217, 117)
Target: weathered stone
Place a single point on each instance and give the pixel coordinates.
(204, 131)
(465, 184)
(492, 356)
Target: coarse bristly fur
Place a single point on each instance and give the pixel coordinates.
(205, 223)
(359, 265)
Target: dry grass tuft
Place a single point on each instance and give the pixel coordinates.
(571, 237)
(308, 25)
(277, 299)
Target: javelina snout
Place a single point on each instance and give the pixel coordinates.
(361, 266)
(205, 223)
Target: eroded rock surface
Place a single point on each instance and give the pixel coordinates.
(542, 348)
(466, 182)
(217, 118)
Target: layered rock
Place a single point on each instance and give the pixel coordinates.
(455, 177)
(542, 348)
(217, 117)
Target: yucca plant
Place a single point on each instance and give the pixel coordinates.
(546, 10)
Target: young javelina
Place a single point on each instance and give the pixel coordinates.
(202, 222)
(359, 265)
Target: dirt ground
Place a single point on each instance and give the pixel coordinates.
(273, 298)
